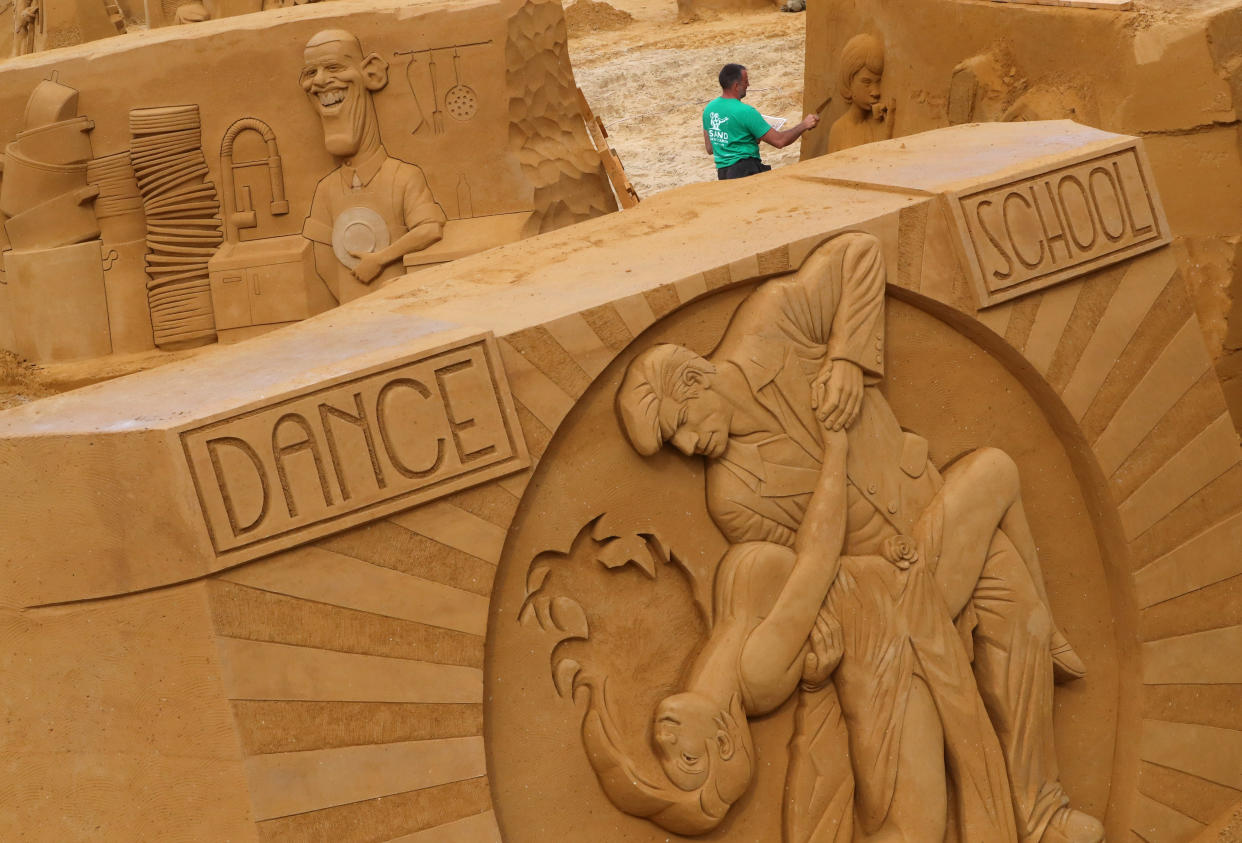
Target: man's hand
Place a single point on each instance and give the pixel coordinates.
(369, 266)
(782, 139)
(836, 394)
(826, 651)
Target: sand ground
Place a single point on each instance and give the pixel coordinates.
(649, 80)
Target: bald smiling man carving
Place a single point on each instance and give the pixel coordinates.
(373, 209)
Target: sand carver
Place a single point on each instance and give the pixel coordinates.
(732, 129)
(373, 209)
(919, 736)
(867, 118)
(803, 355)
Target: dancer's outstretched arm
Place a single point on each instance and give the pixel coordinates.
(779, 640)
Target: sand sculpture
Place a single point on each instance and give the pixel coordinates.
(1163, 70)
(867, 118)
(900, 530)
(194, 206)
(372, 210)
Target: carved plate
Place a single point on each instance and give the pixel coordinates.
(358, 229)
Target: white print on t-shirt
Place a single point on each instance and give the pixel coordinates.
(717, 134)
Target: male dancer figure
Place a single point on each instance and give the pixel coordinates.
(805, 351)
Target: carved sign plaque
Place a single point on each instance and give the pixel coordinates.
(338, 455)
(1038, 231)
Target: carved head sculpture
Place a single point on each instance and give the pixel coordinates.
(667, 396)
(339, 79)
(862, 69)
(705, 751)
(693, 737)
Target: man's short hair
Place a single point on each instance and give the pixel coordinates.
(730, 75)
(859, 52)
(653, 376)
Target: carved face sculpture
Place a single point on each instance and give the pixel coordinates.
(699, 423)
(667, 395)
(689, 737)
(339, 81)
(861, 71)
(865, 89)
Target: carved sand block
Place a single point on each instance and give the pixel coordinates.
(1159, 70)
(490, 554)
(226, 209)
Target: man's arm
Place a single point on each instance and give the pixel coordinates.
(707, 143)
(371, 264)
(424, 219)
(782, 139)
(844, 280)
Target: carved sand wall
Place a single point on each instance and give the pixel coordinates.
(1163, 71)
(241, 196)
(317, 597)
(540, 83)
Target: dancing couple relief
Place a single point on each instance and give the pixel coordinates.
(900, 604)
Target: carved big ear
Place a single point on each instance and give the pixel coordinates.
(724, 742)
(693, 380)
(375, 72)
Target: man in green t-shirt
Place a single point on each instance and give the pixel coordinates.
(732, 130)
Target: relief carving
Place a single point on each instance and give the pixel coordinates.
(55, 264)
(183, 222)
(300, 466)
(259, 280)
(1031, 233)
(372, 210)
(196, 247)
(902, 604)
(861, 73)
(27, 25)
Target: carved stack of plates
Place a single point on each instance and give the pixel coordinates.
(183, 222)
(119, 206)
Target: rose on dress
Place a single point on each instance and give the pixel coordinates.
(901, 550)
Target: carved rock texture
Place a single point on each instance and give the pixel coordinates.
(544, 126)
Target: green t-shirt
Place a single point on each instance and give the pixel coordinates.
(734, 128)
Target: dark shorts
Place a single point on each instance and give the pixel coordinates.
(745, 167)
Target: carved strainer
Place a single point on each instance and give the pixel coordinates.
(461, 100)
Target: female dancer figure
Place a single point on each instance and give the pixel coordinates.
(919, 736)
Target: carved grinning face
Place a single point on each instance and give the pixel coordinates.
(334, 77)
(688, 736)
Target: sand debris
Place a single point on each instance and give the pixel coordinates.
(586, 16)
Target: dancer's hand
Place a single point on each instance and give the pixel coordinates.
(837, 393)
(826, 651)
